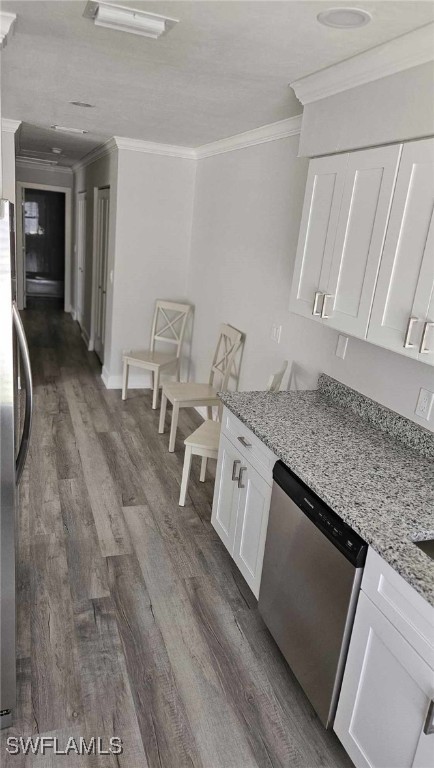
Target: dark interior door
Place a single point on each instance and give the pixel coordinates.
(44, 233)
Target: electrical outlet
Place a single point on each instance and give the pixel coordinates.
(276, 330)
(424, 404)
(341, 346)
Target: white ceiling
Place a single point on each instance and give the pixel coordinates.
(222, 70)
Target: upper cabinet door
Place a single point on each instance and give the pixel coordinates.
(406, 276)
(317, 237)
(367, 196)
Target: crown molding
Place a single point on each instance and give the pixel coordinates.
(153, 148)
(7, 21)
(10, 126)
(23, 162)
(95, 154)
(271, 132)
(397, 55)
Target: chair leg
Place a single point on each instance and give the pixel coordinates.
(125, 380)
(156, 379)
(185, 475)
(162, 413)
(203, 469)
(209, 412)
(178, 370)
(173, 427)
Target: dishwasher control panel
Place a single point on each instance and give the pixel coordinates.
(345, 539)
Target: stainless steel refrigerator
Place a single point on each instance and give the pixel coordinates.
(14, 442)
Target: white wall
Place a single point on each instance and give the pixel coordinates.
(33, 175)
(246, 220)
(395, 108)
(153, 235)
(8, 165)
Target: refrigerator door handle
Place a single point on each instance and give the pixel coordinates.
(27, 428)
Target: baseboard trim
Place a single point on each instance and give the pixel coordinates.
(88, 342)
(140, 380)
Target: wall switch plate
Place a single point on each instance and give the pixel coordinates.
(341, 346)
(276, 330)
(424, 404)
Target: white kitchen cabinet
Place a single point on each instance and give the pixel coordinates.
(403, 307)
(364, 213)
(251, 528)
(242, 497)
(319, 221)
(344, 221)
(388, 683)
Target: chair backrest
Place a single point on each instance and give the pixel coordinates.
(275, 379)
(169, 323)
(224, 364)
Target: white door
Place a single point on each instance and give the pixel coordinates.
(251, 528)
(406, 276)
(81, 254)
(318, 228)
(369, 183)
(101, 254)
(385, 695)
(226, 493)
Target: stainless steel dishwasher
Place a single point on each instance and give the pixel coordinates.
(313, 565)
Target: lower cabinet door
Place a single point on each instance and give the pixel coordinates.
(251, 528)
(385, 696)
(226, 493)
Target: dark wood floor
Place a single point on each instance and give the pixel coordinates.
(133, 621)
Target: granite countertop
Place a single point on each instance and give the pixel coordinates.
(339, 444)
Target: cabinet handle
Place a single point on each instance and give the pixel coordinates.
(315, 311)
(423, 349)
(428, 728)
(240, 477)
(324, 314)
(410, 324)
(234, 470)
(244, 442)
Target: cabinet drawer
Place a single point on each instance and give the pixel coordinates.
(401, 604)
(249, 446)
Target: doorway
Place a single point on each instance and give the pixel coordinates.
(43, 232)
(44, 244)
(101, 240)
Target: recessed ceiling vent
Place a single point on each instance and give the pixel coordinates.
(128, 19)
(344, 18)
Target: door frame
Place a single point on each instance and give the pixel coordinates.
(21, 270)
(96, 191)
(79, 195)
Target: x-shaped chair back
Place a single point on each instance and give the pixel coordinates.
(169, 323)
(225, 364)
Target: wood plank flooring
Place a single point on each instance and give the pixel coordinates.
(133, 621)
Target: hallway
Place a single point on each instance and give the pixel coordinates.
(133, 620)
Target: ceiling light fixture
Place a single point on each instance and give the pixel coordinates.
(56, 150)
(344, 18)
(82, 104)
(63, 129)
(128, 19)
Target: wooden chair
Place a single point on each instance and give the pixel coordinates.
(191, 395)
(168, 326)
(204, 441)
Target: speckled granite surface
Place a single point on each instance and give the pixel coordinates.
(378, 485)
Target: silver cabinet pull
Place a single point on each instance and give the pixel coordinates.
(428, 728)
(324, 314)
(410, 324)
(240, 477)
(315, 310)
(27, 428)
(234, 470)
(423, 349)
(244, 442)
